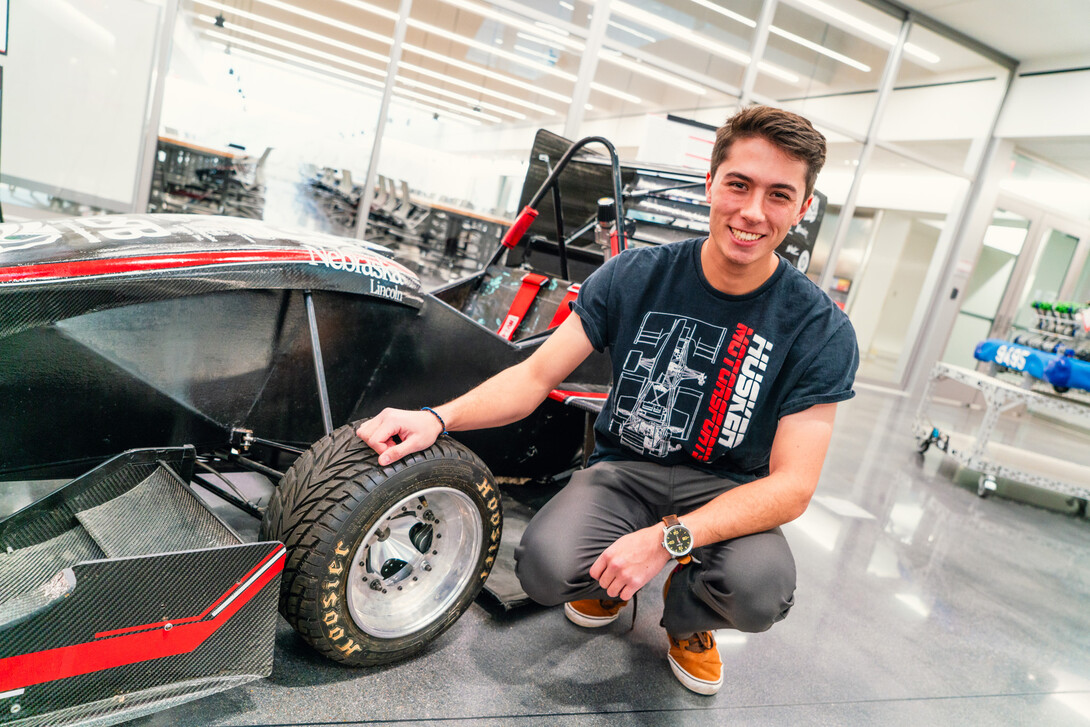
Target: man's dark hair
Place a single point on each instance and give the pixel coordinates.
(790, 133)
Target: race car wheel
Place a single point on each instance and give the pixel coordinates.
(381, 560)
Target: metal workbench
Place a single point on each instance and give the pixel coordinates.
(992, 459)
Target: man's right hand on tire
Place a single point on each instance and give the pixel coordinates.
(414, 430)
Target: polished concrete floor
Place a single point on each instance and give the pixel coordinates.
(918, 603)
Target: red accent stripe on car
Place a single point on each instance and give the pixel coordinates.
(68, 661)
(561, 395)
(145, 263)
(177, 621)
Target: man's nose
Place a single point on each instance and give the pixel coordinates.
(753, 208)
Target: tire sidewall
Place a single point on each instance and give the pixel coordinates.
(333, 616)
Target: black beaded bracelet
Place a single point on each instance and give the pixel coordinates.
(442, 423)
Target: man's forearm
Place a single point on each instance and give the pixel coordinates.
(798, 453)
(755, 507)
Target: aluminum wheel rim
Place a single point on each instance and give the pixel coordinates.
(396, 588)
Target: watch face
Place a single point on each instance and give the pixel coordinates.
(679, 540)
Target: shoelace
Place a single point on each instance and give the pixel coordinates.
(698, 643)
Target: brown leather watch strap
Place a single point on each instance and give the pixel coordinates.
(670, 521)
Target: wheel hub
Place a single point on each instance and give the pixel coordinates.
(414, 562)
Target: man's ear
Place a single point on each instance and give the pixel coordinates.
(805, 206)
(708, 188)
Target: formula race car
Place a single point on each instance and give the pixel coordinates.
(198, 346)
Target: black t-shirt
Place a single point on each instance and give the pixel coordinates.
(700, 377)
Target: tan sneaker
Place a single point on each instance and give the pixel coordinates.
(592, 613)
(695, 662)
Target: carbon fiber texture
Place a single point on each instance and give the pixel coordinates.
(157, 516)
(21, 607)
(115, 710)
(55, 514)
(24, 570)
(115, 607)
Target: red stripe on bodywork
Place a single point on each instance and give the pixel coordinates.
(26, 670)
(85, 268)
(113, 266)
(561, 395)
(175, 622)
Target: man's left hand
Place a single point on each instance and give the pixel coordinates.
(630, 563)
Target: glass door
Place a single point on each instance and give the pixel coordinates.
(1028, 256)
(987, 287)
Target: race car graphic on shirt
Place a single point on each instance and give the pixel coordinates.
(688, 384)
(659, 392)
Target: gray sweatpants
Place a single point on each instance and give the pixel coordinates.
(747, 583)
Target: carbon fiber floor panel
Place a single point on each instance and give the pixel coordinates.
(157, 516)
(24, 570)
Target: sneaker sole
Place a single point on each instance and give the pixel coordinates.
(695, 684)
(589, 622)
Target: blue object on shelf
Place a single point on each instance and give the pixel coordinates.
(1059, 369)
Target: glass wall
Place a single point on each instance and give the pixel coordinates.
(835, 181)
(888, 271)
(296, 93)
(833, 54)
(287, 94)
(963, 90)
(1053, 261)
(679, 56)
(1082, 287)
(75, 103)
(509, 68)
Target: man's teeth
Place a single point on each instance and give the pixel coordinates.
(746, 236)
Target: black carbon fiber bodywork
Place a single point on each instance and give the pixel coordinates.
(158, 603)
(168, 339)
(186, 337)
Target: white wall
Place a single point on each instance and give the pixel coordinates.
(76, 83)
(1057, 104)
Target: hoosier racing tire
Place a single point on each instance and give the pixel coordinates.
(382, 560)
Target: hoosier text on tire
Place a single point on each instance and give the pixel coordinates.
(381, 560)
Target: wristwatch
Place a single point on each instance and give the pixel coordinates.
(677, 539)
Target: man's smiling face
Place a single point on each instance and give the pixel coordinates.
(756, 197)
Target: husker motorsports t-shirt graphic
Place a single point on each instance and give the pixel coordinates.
(687, 384)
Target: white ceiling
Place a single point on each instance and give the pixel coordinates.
(1026, 30)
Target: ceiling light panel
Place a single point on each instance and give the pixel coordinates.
(469, 106)
(864, 22)
(326, 42)
(680, 26)
(342, 22)
(299, 64)
(832, 60)
(547, 62)
(329, 25)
